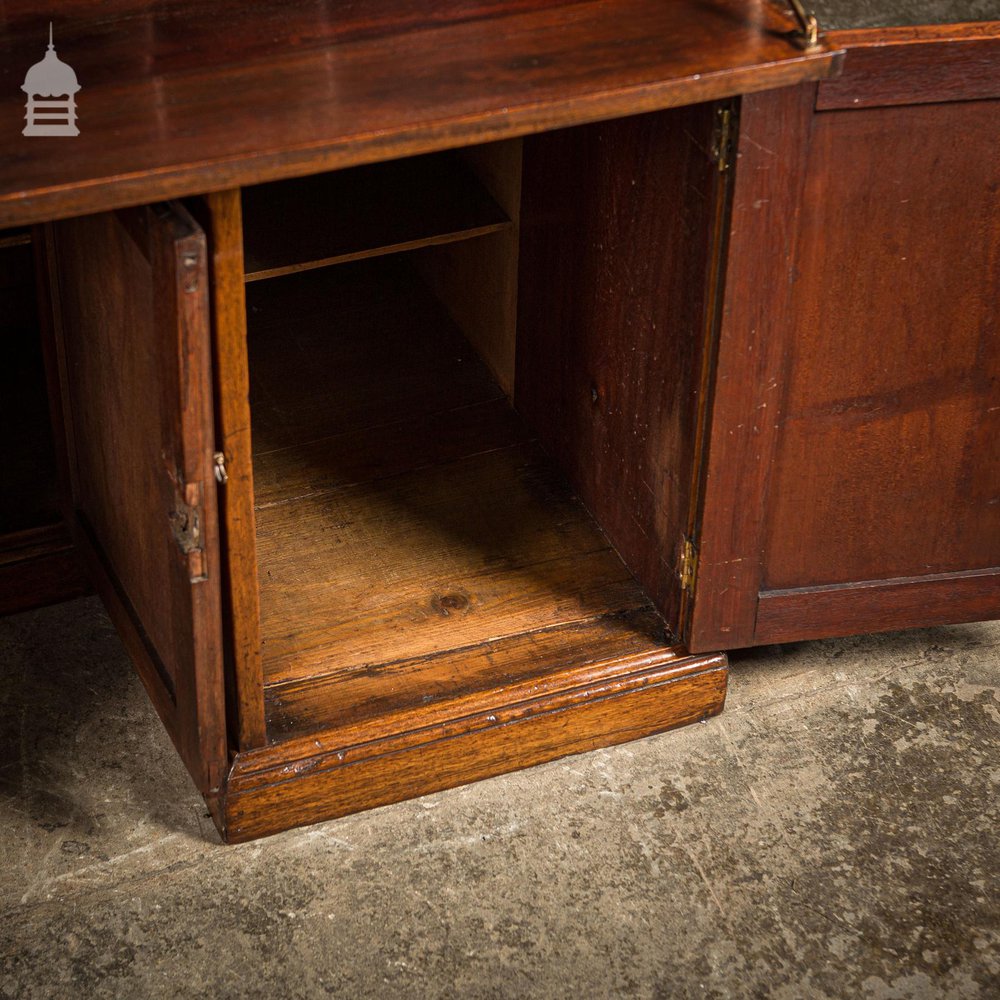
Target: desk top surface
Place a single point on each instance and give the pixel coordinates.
(194, 95)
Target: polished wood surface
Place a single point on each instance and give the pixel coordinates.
(339, 771)
(888, 463)
(750, 367)
(136, 361)
(616, 272)
(877, 605)
(379, 544)
(347, 215)
(221, 217)
(899, 66)
(198, 96)
(477, 280)
(407, 693)
(853, 466)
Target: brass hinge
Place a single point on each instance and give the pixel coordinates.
(808, 25)
(722, 141)
(687, 568)
(219, 460)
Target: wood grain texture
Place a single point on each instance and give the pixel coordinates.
(750, 368)
(203, 97)
(889, 459)
(483, 547)
(349, 215)
(417, 363)
(616, 263)
(952, 30)
(477, 281)
(267, 792)
(886, 67)
(395, 534)
(408, 693)
(877, 606)
(222, 221)
(854, 442)
(134, 328)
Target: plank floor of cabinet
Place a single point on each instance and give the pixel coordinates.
(436, 605)
(417, 515)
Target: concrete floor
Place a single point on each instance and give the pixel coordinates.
(833, 834)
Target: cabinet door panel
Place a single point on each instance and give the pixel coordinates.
(889, 459)
(853, 479)
(134, 343)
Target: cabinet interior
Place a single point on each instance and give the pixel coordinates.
(415, 543)
(29, 498)
(473, 400)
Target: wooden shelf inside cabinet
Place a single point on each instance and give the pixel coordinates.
(14, 238)
(353, 214)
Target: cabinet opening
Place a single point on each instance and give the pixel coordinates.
(414, 542)
(420, 554)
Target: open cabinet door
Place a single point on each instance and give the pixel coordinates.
(133, 338)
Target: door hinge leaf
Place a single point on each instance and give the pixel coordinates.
(722, 143)
(687, 568)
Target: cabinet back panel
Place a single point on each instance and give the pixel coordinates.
(889, 457)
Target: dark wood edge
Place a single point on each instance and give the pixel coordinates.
(46, 304)
(442, 239)
(674, 661)
(354, 778)
(854, 38)
(16, 546)
(57, 375)
(186, 179)
(877, 606)
(715, 287)
(15, 238)
(888, 67)
(750, 380)
(180, 265)
(238, 542)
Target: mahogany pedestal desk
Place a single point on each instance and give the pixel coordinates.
(438, 389)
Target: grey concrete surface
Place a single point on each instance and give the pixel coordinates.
(833, 834)
(833, 14)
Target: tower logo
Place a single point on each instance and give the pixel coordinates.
(51, 87)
